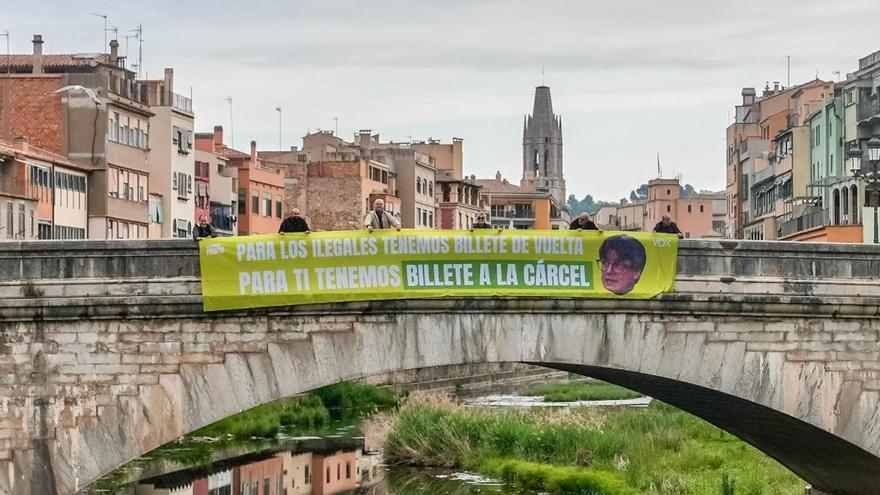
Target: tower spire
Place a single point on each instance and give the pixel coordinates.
(542, 147)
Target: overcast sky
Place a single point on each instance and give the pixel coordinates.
(631, 78)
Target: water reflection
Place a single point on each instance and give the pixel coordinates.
(314, 467)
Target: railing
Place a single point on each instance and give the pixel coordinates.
(13, 186)
(181, 102)
(868, 108)
(804, 222)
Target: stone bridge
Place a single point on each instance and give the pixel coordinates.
(106, 354)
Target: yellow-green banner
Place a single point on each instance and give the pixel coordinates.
(284, 269)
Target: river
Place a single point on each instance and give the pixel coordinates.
(330, 461)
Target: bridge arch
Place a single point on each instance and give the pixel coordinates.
(780, 354)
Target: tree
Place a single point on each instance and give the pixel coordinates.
(633, 196)
(688, 191)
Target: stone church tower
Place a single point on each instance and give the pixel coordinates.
(542, 148)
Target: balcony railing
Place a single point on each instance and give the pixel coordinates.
(181, 102)
(804, 222)
(21, 188)
(868, 108)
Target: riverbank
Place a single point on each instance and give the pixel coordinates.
(656, 450)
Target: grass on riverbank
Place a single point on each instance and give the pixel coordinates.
(580, 390)
(658, 450)
(315, 409)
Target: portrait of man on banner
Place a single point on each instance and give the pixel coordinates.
(621, 260)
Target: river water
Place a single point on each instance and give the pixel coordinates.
(332, 461)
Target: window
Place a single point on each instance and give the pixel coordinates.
(33, 223)
(267, 202)
(308, 477)
(668, 208)
(278, 207)
(10, 228)
(155, 210)
(424, 217)
(669, 192)
(419, 185)
(431, 189)
(328, 475)
(339, 471)
(242, 201)
(701, 208)
(21, 226)
(689, 208)
(418, 216)
(348, 470)
(255, 203)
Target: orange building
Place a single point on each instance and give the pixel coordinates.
(698, 216)
(334, 473)
(260, 186)
(265, 477)
(519, 207)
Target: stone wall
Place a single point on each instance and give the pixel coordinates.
(105, 353)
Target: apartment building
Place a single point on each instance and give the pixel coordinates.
(459, 200)
(415, 172)
(172, 157)
(90, 109)
(260, 195)
(517, 207)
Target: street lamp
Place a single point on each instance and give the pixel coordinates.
(869, 173)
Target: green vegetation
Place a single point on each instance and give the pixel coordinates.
(581, 390)
(352, 400)
(658, 450)
(266, 421)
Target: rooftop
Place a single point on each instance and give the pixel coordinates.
(67, 60)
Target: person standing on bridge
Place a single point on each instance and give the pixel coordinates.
(667, 226)
(203, 229)
(480, 222)
(294, 223)
(583, 222)
(379, 218)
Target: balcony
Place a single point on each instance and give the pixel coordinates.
(807, 221)
(19, 188)
(868, 109)
(181, 102)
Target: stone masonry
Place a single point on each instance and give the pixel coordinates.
(106, 354)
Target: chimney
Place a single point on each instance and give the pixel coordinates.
(498, 175)
(775, 86)
(114, 52)
(748, 95)
(364, 138)
(20, 143)
(218, 136)
(38, 54)
(254, 152)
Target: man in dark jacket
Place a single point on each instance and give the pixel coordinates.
(480, 222)
(203, 229)
(294, 223)
(667, 226)
(583, 222)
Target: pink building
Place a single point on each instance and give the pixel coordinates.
(334, 473)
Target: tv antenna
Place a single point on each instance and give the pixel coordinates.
(103, 16)
(278, 109)
(228, 99)
(138, 34)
